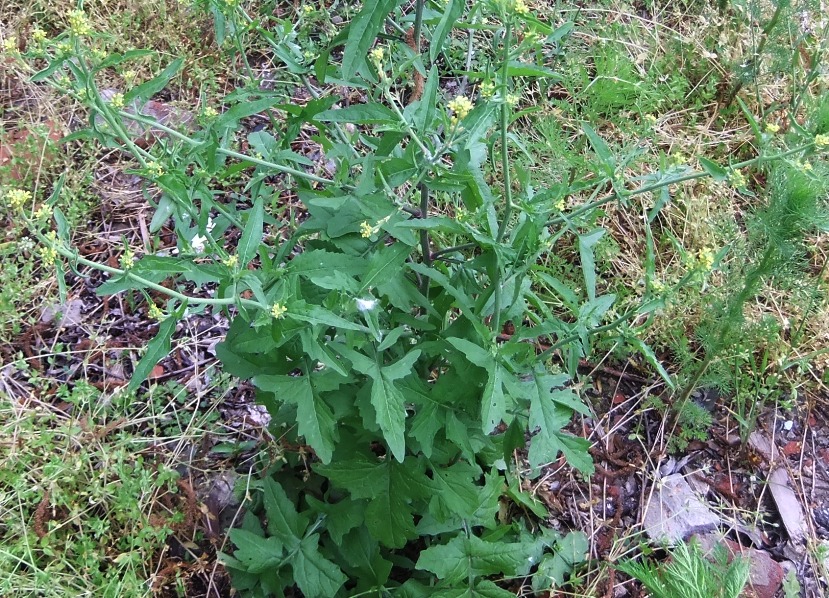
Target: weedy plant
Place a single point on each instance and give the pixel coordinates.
(690, 573)
(394, 333)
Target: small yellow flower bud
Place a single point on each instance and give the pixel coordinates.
(772, 128)
(366, 230)
(117, 101)
(737, 179)
(38, 35)
(79, 24)
(127, 259)
(16, 198)
(155, 312)
(377, 55)
(821, 140)
(278, 310)
(231, 261)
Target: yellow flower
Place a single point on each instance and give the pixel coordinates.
(737, 179)
(519, 7)
(803, 166)
(64, 47)
(377, 55)
(155, 169)
(210, 112)
(512, 99)
(651, 118)
(559, 205)
(99, 53)
(461, 106)
(278, 310)
(231, 261)
(307, 9)
(705, 258)
(821, 140)
(772, 128)
(117, 101)
(78, 23)
(38, 35)
(129, 76)
(487, 89)
(678, 159)
(127, 259)
(48, 253)
(10, 45)
(155, 312)
(17, 197)
(366, 230)
(43, 212)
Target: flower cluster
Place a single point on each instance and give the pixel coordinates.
(127, 259)
(231, 261)
(821, 140)
(38, 35)
(278, 311)
(155, 312)
(366, 230)
(377, 55)
(155, 169)
(16, 198)
(737, 179)
(10, 45)
(461, 106)
(487, 89)
(772, 128)
(48, 253)
(79, 23)
(117, 101)
(705, 258)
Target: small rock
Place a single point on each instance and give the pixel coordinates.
(69, 313)
(675, 512)
(788, 505)
(765, 575)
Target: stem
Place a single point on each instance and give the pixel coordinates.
(418, 23)
(424, 238)
(505, 172)
(77, 259)
(259, 162)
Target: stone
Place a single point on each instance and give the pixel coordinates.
(675, 512)
(765, 574)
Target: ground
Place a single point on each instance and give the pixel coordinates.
(112, 493)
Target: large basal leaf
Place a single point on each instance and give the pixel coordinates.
(391, 487)
(313, 573)
(464, 558)
(315, 419)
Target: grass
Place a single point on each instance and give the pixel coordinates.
(656, 94)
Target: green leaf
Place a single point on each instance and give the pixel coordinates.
(252, 235)
(315, 420)
(426, 110)
(601, 149)
(148, 89)
(455, 492)
(645, 350)
(391, 488)
(493, 403)
(451, 13)
(362, 32)
(360, 114)
(714, 170)
(545, 447)
(384, 265)
(316, 314)
(516, 68)
(255, 553)
(464, 558)
(314, 574)
(157, 349)
(588, 263)
(284, 522)
(243, 109)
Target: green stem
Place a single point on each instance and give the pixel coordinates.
(505, 173)
(418, 23)
(258, 161)
(75, 258)
(424, 238)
